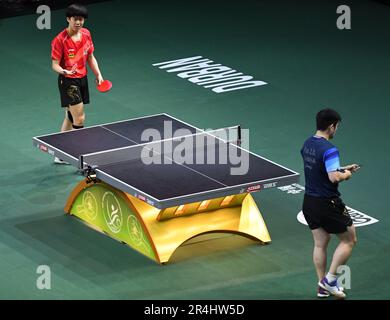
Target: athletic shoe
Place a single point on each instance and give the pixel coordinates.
(59, 161)
(332, 288)
(322, 293)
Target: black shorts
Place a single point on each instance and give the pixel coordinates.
(73, 90)
(329, 214)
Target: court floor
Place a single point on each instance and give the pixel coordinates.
(307, 63)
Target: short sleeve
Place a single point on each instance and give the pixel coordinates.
(56, 49)
(332, 159)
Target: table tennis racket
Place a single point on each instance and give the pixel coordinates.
(105, 86)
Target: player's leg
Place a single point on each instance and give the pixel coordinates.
(80, 94)
(340, 257)
(321, 241)
(312, 210)
(343, 251)
(72, 93)
(78, 115)
(66, 99)
(331, 220)
(74, 96)
(67, 123)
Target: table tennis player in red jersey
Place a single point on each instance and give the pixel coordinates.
(71, 49)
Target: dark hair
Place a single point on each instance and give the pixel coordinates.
(327, 117)
(76, 10)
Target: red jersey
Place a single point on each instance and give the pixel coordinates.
(69, 52)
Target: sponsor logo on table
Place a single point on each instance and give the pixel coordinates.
(141, 197)
(136, 195)
(150, 202)
(270, 185)
(253, 188)
(43, 148)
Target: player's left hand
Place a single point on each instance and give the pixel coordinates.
(353, 167)
(99, 79)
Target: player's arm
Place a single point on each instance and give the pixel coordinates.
(55, 64)
(336, 174)
(93, 64)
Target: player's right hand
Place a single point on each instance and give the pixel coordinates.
(71, 71)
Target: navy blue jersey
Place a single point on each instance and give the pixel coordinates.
(319, 158)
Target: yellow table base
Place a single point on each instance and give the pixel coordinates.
(157, 233)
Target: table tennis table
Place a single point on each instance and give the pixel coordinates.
(137, 192)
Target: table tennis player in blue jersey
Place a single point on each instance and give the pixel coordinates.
(323, 207)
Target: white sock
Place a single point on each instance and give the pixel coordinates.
(331, 277)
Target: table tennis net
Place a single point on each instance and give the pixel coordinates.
(200, 146)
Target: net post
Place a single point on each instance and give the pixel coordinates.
(81, 162)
